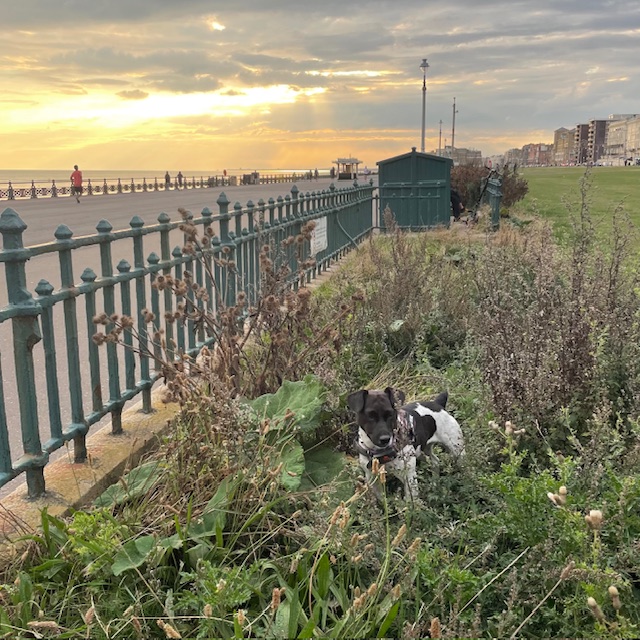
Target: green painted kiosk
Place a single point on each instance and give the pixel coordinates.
(417, 188)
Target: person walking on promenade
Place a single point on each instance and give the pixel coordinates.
(167, 181)
(76, 183)
(179, 176)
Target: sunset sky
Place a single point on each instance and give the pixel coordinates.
(281, 84)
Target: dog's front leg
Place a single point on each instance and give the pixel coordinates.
(409, 476)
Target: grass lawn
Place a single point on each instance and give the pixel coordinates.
(555, 191)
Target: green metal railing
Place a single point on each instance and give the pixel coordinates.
(51, 328)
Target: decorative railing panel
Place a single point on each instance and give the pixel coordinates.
(63, 381)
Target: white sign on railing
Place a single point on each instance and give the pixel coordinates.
(319, 236)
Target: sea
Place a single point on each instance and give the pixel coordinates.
(24, 177)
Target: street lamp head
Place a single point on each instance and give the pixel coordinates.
(424, 66)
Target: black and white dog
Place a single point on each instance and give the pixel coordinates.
(398, 438)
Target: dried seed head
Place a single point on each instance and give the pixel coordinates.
(615, 598)
(399, 536)
(241, 617)
(207, 612)
(595, 609)
(382, 474)
(435, 631)
(169, 631)
(375, 466)
(89, 615)
(414, 547)
(275, 599)
(594, 519)
(567, 570)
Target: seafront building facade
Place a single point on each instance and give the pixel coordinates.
(611, 141)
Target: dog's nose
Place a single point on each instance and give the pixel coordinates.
(384, 440)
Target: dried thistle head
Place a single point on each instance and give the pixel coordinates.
(615, 598)
(596, 611)
(594, 519)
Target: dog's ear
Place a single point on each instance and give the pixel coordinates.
(396, 397)
(442, 399)
(357, 399)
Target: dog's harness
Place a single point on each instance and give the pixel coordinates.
(404, 435)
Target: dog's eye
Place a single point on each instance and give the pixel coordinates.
(372, 415)
(388, 416)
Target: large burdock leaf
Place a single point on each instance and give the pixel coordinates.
(292, 465)
(132, 554)
(301, 403)
(133, 485)
(322, 465)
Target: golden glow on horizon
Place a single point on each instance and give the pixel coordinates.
(347, 74)
(108, 110)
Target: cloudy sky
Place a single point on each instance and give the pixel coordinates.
(196, 84)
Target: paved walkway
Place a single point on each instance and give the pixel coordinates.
(43, 215)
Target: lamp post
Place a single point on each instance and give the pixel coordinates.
(453, 127)
(424, 66)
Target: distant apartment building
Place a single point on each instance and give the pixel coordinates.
(622, 139)
(563, 145)
(580, 144)
(595, 140)
(462, 156)
(537, 155)
(513, 157)
(633, 138)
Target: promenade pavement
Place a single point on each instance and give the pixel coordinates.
(43, 215)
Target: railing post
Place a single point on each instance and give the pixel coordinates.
(78, 426)
(105, 188)
(240, 250)
(127, 337)
(54, 189)
(228, 284)
(141, 303)
(154, 261)
(34, 193)
(26, 334)
(89, 187)
(104, 228)
(44, 289)
(165, 255)
(207, 232)
(10, 194)
(89, 277)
